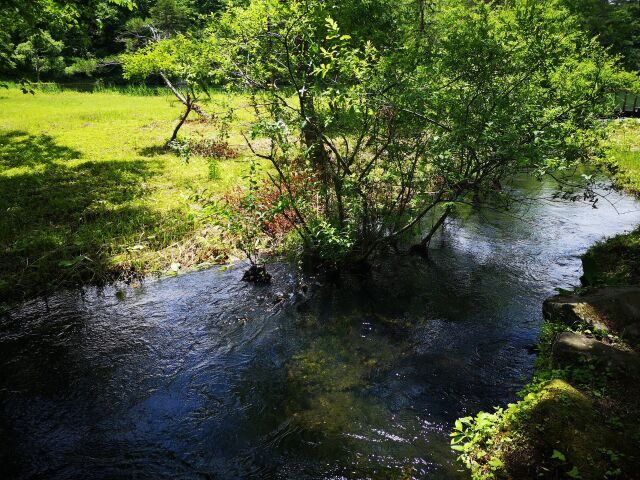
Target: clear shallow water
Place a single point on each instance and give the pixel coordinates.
(203, 376)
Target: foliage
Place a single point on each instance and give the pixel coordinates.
(181, 58)
(172, 16)
(241, 215)
(401, 117)
(616, 24)
(41, 53)
(63, 22)
(84, 66)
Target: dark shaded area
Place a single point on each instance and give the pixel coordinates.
(19, 149)
(59, 222)
(153, 150)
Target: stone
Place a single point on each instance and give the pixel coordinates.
(570, 348)
(612, 308)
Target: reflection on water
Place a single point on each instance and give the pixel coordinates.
(202, 376)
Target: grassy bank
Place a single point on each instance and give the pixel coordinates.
(578, 418)
(88, 194)
(616, 261)
(624, 153)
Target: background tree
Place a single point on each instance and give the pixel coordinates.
(41, 53)
(616, 23)
(172, 16)
(187, 66)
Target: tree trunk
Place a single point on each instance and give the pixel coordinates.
(180, 123)
(312, 140)
(422, 248)
(182, 98)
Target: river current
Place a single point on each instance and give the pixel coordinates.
(204, 376)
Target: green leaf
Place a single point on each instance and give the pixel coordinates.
(559, 455)
(574, 473)
(331, 24)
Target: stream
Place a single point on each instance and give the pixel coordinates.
(204, 376)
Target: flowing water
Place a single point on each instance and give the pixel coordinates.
(203, 376)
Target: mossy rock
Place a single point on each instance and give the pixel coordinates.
(609, 309)
(570, 349)
(558, 432)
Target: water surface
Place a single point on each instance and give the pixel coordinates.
(203, 376)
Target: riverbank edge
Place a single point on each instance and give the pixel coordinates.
(579, 416)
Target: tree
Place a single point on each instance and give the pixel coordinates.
(41, 53)
(172, 16)
(377, 119)
(20, 20)
(186, 65)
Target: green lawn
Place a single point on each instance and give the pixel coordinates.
(88, 194)
(624, 152)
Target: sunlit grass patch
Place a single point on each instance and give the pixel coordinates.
(624, 152)
(88, 193)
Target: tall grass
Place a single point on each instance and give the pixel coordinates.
(96, 86)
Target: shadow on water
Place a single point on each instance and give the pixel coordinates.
(56, 208)
(203, 376)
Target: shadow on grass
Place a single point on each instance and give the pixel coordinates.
(60, 224)
(153, 150)
(19, 149)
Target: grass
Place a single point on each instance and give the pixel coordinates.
(88, 194)
(616, 261)
(624, 153)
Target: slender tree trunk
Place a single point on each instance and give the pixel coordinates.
(319, 156)
(183, 118)
(183, 99)
(312, 139)
(423, 247)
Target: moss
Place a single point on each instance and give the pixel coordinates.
(615, 261)
(557, 417)
(555, 431)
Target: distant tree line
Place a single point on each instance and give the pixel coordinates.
(55, 39)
